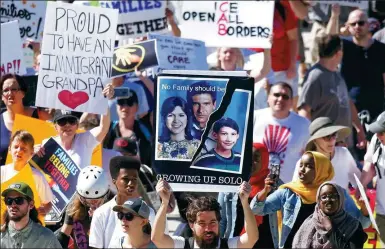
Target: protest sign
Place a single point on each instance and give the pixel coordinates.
(60, 171)
(227, 24)
(12, 57)
(193, 114)
(139, 56)
(365, 198)
(76, 57)
(361, 4)
(30, 15)
(41, 130)
(136, 18)
(175, 53)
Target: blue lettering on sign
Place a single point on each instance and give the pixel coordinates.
(127, 6)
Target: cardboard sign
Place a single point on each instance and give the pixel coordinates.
(30, 15)
(136, 18)
(76, 57)
(12, 57)
(60, 171)
(176, 53)
(361, 4)
(365, 198)
(139, 56)
(203, 130)
(242, 24)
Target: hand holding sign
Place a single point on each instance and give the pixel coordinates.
(163, 190)
(244, 191)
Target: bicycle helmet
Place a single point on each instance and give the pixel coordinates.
(92, 182)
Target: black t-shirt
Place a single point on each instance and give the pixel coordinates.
(305, 211)
(363, 69)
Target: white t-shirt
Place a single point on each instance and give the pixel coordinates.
(344, 168)
(82, 148)
(285, 138)
(179, 242)
(372, 156)
(106, 229)
(45, 193)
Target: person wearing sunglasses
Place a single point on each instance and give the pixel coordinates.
(23, 228)
(92, 191)
(282, 131)
(330, 226)
(79, 146)
(134, 219)
(13, 89)
(324, 137)
(374, 166)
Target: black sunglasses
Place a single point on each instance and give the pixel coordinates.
(360, 23)
(18, 200)
(64, 121)
(284, 96)
(127, 216)
(331, 136)
(126, 102)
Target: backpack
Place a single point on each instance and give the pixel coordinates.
(189, 243)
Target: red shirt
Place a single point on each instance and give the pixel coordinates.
(280, 51)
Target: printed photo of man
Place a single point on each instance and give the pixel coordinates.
(202, 101)
(222, 157)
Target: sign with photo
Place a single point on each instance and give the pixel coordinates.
(175, 53)
(12, 57)
(76, 57)
(30, 15)
(136, 18)
(203, 130)
(60, 171)
(227, 23)
(138, 56)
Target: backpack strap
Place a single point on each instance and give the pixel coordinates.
(377, 146)
(189, 243)
(224, 243)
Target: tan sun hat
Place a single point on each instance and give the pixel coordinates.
(324, 126)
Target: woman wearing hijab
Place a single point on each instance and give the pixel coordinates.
(296, 200)
(330, 226)
(324, 137)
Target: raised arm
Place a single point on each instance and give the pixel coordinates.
(262, 205)
(248, 239)
(158, 237)
(258, 75)
(333, 24)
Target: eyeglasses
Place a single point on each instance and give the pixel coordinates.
(18, 200)
(126, 102)
(284, 96)
(360, 23)
(127, 216)
(331, 136)
(10, 90)
(332, 197)
(64, 121)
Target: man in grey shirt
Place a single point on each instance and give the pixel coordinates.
(22, 228)
(325, 93)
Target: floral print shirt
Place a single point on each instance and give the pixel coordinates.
(178, 149)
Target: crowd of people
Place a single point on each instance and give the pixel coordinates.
(315, 127)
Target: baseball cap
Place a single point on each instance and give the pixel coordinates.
(126, 145)
(136, 206)
(129, 100)
(378, 126)
(19, 187)
(59, 114)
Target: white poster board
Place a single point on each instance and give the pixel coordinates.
(12, 57)
(243, 24)
(136, 18)
(361, 4)
(365, 198)
(76, 57)
(175, 53)
(30, 15)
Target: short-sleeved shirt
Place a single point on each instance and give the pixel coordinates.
(363, 70)
(179, 242)
(45, 193)
(380, 35)
(327, 95)
(82, 148)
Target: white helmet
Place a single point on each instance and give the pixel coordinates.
(92, 182)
